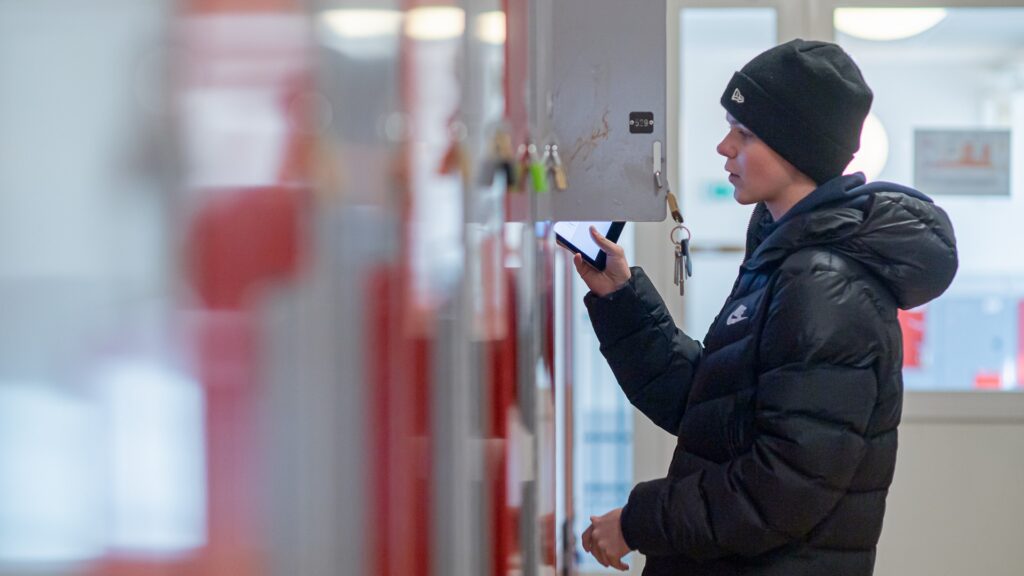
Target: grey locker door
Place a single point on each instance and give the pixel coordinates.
(608, 68)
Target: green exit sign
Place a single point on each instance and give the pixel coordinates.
(720, 190)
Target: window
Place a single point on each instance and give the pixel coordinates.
(949, 94)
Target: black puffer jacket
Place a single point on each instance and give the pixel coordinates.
(787, 416)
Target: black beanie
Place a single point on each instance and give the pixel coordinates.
(806, 100)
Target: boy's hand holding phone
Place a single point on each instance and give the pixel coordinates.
(616, 271)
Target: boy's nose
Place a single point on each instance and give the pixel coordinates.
(725, 149)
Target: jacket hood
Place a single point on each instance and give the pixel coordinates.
(896, 232)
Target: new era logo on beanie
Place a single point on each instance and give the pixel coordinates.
(807, 100)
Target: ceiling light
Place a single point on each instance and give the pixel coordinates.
(886, 23)
(435, 23)
(360, 34)
(490, 27)
(350, 23)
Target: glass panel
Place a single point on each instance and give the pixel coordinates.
(603, 458)
(948, 118)
(714, 43)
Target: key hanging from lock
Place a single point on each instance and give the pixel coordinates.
(505, 157)
(556, 167)
(521, 168)
(678, 271)
(670, 197)
(538, 168)
(687, 265)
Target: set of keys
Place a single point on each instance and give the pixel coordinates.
(680, 237)
(541, 170)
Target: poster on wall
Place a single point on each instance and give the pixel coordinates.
(962, 162)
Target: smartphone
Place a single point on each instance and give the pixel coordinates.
(575, 236)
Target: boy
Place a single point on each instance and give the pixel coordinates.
(786, 416)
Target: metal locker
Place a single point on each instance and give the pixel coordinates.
(606, 100)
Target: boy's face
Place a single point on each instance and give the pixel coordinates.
(756, 171)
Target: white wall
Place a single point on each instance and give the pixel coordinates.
(956, 504)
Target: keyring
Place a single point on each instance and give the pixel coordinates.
(680, 228)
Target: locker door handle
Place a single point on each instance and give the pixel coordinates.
(659, 179)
